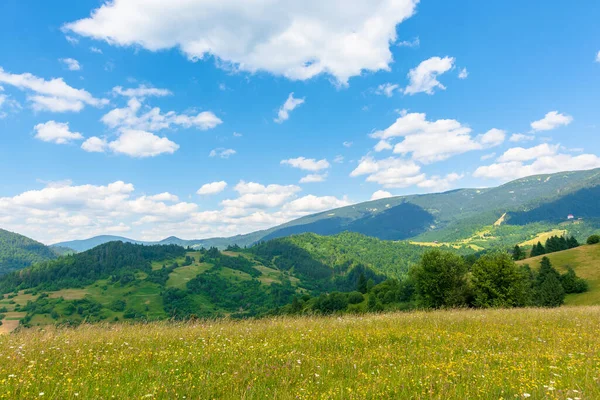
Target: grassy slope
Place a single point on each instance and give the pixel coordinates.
(547, 354)
(585, 260)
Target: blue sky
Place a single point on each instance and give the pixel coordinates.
(176, 123)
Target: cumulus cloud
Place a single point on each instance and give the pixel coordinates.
(56, 132)
(400, 173)
(463, 74)
(141, 144)
(386, 89)
(95, 144)
(313, 178)
(141, 92)
(290, 105)
(71, 64)
(381, 194)
(51, 95)
(95, 50)
(546, 163)
(298, 40)
(431, 141)
(424, 78)
(307, 164)
(522, 154)
(64, 211)
(154, 120)
(598, 57)
(212, 188)
(222, 152)
(551, 120)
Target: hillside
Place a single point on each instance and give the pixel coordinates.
(585, 260)
(476, 218)
(119, 280)
(18, 251)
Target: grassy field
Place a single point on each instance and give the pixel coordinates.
(585, 260)
(519, 353)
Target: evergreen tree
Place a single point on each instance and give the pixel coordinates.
(362, 283)
(594, 239)
(572, 242)
(551, 292)
(572, 283)
(296, 306)
(518, 254)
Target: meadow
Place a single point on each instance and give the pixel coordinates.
(508, 354)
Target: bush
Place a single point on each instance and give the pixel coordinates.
(594, 239)
(355, 298)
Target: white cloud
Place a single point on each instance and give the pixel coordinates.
(431, 141)
(522, 154)
(390, 172)
(347, 144)
(312, 178)
(95, 50)
(141, 92)
(298, 40)
(381, 194)
(237, 134)
(400, 173)
(307, 164)
(222, 152)
(56, 132)
(165, 196)
(519, 137)
(94, 144)
(551, 120)
(463, 74)
(440, 184)
(290, 104)
(154, 120)
(212, 188)
(547, 164)
(140, 144)
(255, 195)
(386, 89)
(339, 159)
(312, 204)
(423, 78)
(409, 43)
(53, 95)
(598, 57)
(71, 63)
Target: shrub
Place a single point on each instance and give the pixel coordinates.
(355, 298)
(594, 239)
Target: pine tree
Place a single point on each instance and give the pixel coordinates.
(518, 254)
(572, 242)
(540, 249)
(551, 292)
(296, 305)
(362, 284)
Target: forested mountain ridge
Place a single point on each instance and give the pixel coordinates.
(455, 217)
(18, 251)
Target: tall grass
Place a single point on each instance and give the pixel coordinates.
(470, 354)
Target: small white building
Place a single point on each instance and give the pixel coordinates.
(570, 216)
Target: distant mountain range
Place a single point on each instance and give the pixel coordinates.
(449, 217)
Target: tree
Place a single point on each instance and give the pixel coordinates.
(551, 292)
(538, 250)
(572, 242)
(373, 305)
(572, 283)
(594, 239)
(440, 280)
(362, 283)
(518, 254)
(296, 305)
(498, 282)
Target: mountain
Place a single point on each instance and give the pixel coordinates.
(18, 251)
(476, 218)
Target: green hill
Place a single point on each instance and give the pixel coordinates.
(18, 251)
(585, 260)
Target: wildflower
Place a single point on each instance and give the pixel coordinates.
(526, 395)
(41, 393)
